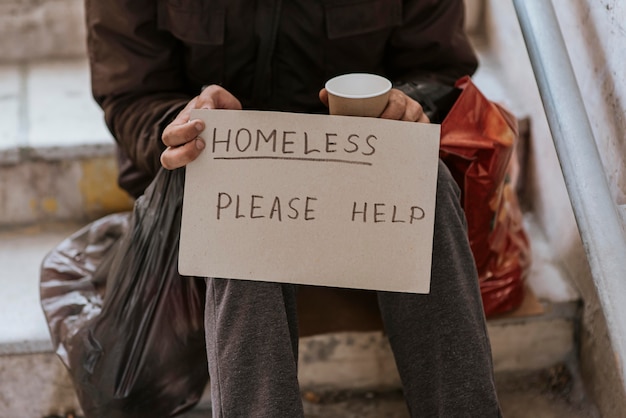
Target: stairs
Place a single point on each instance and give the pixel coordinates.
(57, 172)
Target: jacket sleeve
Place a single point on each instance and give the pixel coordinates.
(429, 52)
(136, 76)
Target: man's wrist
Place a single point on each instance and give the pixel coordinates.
(436, 99)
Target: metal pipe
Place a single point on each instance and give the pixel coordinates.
(599, 222)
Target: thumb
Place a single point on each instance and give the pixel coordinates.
(324, 96)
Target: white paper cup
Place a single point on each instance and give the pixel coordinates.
(358, 94)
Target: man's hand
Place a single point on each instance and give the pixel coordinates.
(181, 136)
(399, 107)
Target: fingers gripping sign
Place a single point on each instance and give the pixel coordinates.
(181, 135)
(183, 143)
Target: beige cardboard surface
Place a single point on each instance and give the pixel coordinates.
(311, 199)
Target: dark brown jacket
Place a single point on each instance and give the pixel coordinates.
(150, 57)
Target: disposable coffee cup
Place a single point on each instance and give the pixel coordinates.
(358, 94)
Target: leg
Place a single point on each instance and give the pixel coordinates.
(440, 340)
(252, 348)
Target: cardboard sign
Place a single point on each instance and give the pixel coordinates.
(311, 199)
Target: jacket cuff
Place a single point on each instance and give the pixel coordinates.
(436, 98)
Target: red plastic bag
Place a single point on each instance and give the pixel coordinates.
(129, 329)
(477, 142)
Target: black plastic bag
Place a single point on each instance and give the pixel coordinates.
(129, 328)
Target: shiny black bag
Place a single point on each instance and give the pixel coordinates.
(129, 328)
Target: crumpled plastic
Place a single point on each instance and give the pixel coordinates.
(477, 143)
(128, 328)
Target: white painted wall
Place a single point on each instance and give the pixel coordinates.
(595, 31)
(595, 34)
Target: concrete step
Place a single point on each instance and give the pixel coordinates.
(56, 154)
(33, 382)
(36, 29)
(57, 172)
(551, 393)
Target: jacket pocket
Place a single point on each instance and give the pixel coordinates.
(357, 17)
(193, 21)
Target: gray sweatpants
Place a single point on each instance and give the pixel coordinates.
(439, 340)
